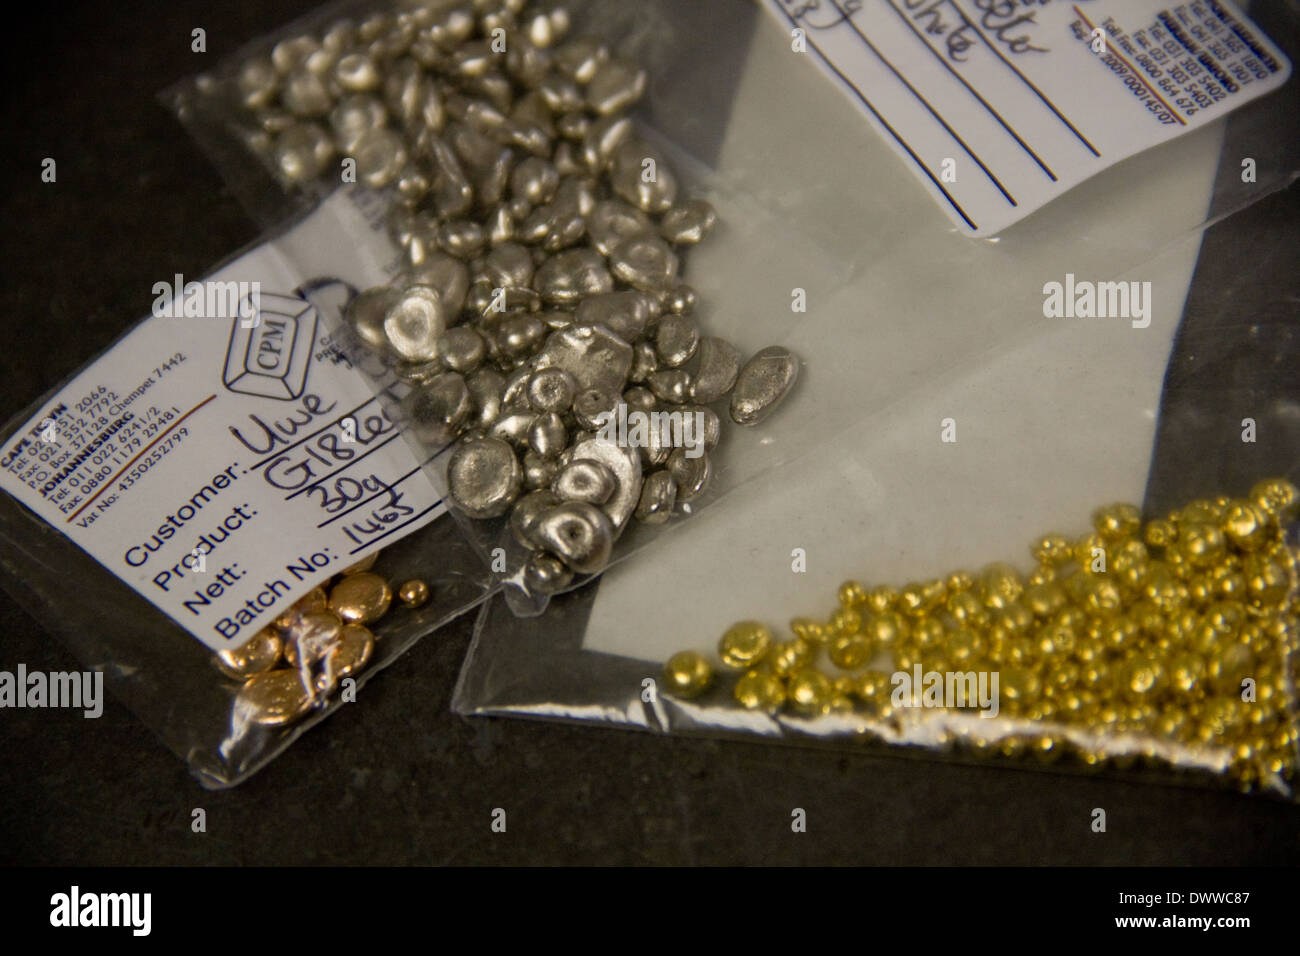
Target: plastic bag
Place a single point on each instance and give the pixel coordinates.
(904, 321)
(196, 699)
(782, 204)
(951, 421)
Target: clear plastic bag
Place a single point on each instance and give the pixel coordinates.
(168, 678)
(645, 34)
(908, 329)
(930, 334)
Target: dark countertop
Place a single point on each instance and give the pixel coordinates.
(401, 779)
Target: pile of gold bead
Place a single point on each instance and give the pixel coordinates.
(294, 665)
(1131, 642)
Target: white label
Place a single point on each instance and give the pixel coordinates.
(999, 106)
(223, 464)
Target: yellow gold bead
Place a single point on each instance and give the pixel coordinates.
(1160, 533)
(1163, 589)
(1201, 543)
(1117, 521)
(1089, 649)
(939, 663)
(844, 685)
(259, 653)
(965, 608)
(1091, 760)
(413, 593)
(911, 600)
(840, 704)
(1042, 574)
(1012, 747)
(745, 644)
(1090, 552)
(1131, 553)
(1052, 549)
(1246, 525)
(1101, 597)
(1200, 511)
(1145, 617)
(1267, 581)
(962, 646)
(355, 646)
(789, 656)
(809, 693)
(1015, 617)
(1170, 725)
(852, 594)
(1072, 705)
(873, 687)
(760, 690)
(886, 629)
(273, 698)
(814, 632)
(687, 674)
(1177, 562)
(1227, 671)
(1019, 651)
(959, 581)
(1044, 600)
(1062, 675)
(1229, 584)
(1095, 675)
(1117, 633)
(1046, 749)
(905, 656)
(850, 651)
(1225, 617)
(1018, 684)
(1075, 586)
(1142, 677)
(881, 598)
(1269, 687)
(1200, 590)
(846, 620)
(1277, 498)
(927, 632)
(1187, 671)
(1058, 636)
(1000, 585)
(361, 598)
(935, 591)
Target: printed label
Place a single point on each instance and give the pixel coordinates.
(999, 106)
(224, 464)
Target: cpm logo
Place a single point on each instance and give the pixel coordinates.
(270, 348)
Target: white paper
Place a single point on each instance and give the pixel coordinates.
(206, 461)
(1000, 106)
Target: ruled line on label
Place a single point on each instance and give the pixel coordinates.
(862, 98)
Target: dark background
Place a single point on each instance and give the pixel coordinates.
(401, 779)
